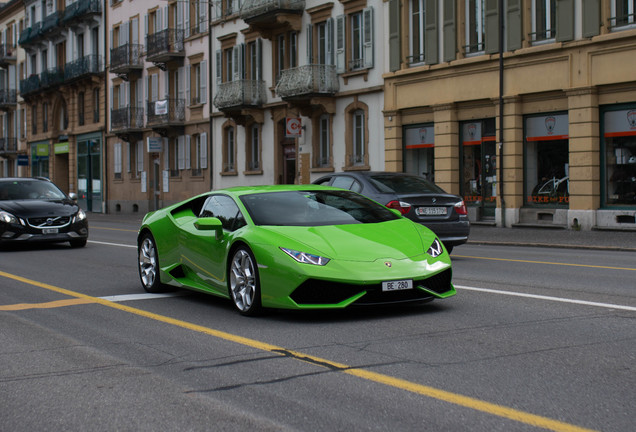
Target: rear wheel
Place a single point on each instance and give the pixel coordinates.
(244, 284)
(149, 265)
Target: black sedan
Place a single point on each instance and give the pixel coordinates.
(35, 210)
(415, 197)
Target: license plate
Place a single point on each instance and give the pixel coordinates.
(431, 211)
(50, 230)
(397, 285)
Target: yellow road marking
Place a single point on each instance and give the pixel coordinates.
(546, 262)
(442, 395)
(48, 305)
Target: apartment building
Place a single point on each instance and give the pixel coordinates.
(62, 84)
(546, 136)
(297, 88)
(159, 97)
(13, 158)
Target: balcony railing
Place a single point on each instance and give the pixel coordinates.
(7, 54)
(308, 81)
(30, 85)
(240, 93)
(8, 145)
(128, 118)
(252, 9)
(8, 97)
(85, 66)
(168, 42)
(165, 112)
(50, 24)
(126, 57)
(31, 34)
(51, 77)
(81, 10)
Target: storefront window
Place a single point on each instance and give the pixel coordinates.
(547, 181)
(40, 160)
(479, 165)
(619, 139)
(419, 143)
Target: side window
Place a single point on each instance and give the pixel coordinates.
(224, 208)
(344, 182)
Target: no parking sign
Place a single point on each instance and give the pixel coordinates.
(293, 127)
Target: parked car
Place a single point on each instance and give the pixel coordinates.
(291, 247)
(415, 197)
(36, 210)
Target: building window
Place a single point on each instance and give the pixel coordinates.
(34, 119)
(419, 150)
(286, 54)
(80, 108)
(139, 157)
(543, 20)
(623, 13)
(199, 83)
(229, 149)
(475, 26)
(322, 146)
(96, 105)
(478, 169)
(201, 153)
(619, 144)
(358, 138)
(417, 33)
(45, 117)
(354, 40)
(117, 156)
(356, 135)
(253, 148)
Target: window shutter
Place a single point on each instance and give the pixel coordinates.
(219, 67)
(450, 39)
(368, 34)
(181, 152)
(310, 47)
(203, 138)
(430, 35)
(218, 9)
(183, 20)
(235, 63)
(340, 44)
(565, 20)
(203, 91)
(591, 17)
(129, 151)
(166, 18)
(492, 27)
(203, 15)
(146, 26)
(140, 156)
(188, 150)
(181, 85)
(394, 35)
(135, 30)
(514, 25)
(117, 156)
(259, 60)
(166, 154)
(124, 35)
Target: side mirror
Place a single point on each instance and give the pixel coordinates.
(73, 196)
(210, 224)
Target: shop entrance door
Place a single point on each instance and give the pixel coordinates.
(479, 168)
(289, 163)
(89, 175)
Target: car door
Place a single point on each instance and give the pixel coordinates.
(205, 254)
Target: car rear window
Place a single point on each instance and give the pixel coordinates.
(404, 184)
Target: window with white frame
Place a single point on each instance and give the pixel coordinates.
(543, 20)
(253, 147)
(199, 82)
(139, 166)
(475, 26)
(623, 13)
(200, 153)
(286, 53)
(324, 140)
(417, 31)
(358, 138)
(354, 40)
(228, 150)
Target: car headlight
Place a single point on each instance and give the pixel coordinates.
(8, 218)
(306, 258)
(435, 249)
(80, 216)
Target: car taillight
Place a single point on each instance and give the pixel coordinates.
(460, 208)
(402, 206)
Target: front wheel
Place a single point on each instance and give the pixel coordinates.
(244, 285)
(149, 265)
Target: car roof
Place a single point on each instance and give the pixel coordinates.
(22, 179)
(246, 190)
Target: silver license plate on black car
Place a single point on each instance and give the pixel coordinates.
(397, 285)
(50, 230)
(431, 211)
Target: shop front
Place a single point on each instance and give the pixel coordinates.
(89, 172)
(419, 149)
(40, 159)
(619, 157)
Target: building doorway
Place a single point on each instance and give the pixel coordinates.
(479, 168)
(89, 174)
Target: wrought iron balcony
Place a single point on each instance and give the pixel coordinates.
(166, 112)
(83, 67)
(8, 99)
(30, 85)
(165, 45)
(30, 35)
(126, 58)
(235, 95)
(8, 146)
(128, 119)
(7, 55)
(305, 82)
(265, 12)
(51, 25)
(81, 10)
(51, 77)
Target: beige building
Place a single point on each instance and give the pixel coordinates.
(159, 97)
(567, 154)
(62, 84)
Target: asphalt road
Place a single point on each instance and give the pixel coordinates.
(537, 338)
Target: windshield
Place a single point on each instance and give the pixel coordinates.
(314, 208)
(401, 184)
(30, 190)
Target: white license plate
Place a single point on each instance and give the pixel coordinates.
(50, 230)
(431, 211)
(397, 285)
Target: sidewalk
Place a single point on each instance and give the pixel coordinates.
(486, 234)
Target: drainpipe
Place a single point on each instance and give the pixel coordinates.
(501, 112)
(211, 67)
(105, 96)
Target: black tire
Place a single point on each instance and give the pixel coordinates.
(148, 264)
(244, 285)
(78, 243)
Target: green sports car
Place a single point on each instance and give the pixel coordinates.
(292, 247)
